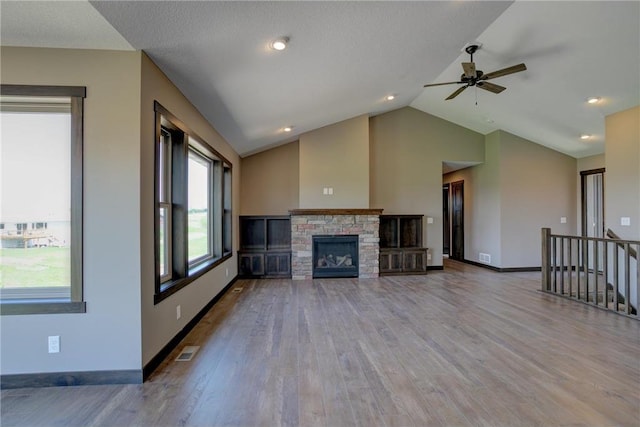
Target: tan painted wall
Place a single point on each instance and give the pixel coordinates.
(537, 189)
(622, 179)
(270, 181)
(520, 188)
(407, 151)
(159, 322)
(107, 336)
(335, 156)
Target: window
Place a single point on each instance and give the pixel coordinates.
(199, 180)
(41, 199)
(193, 205)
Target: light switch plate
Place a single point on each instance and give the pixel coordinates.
(563, 220)
(625, 220)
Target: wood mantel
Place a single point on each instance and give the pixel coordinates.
(336, 211)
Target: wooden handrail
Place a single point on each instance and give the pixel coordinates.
(612, 235)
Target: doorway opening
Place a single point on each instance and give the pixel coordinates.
(592, 194)
(453, 220)
(446, 224)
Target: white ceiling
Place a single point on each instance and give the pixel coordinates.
(345, 57)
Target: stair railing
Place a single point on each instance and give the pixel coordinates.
(603, 272)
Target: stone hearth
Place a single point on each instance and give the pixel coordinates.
(305, 223)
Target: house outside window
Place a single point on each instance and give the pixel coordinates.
(41, 199)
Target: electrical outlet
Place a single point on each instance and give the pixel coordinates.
(178, 313)
(625, 221)
(54, 344)
(563, 220)
(226, 271)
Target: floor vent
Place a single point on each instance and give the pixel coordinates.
(187, 353)
(237, 290)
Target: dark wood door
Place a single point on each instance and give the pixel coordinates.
(457, 220)
(446, 225)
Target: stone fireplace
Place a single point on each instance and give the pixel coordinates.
(363, 223)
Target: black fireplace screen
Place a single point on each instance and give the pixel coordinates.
(335, 256)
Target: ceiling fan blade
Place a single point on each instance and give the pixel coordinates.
(469, 69)
(441, 84)
(504, 72)
(456, 93)
(491, 87)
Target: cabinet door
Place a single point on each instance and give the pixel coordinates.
(250, 264)
(278, 264)
(414, 260)
(390, 261)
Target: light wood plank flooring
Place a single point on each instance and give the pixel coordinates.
(464, 346)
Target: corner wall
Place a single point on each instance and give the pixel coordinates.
(408, 147)
(482, 201)
(519, 189)
(159, 323)
(270, 181)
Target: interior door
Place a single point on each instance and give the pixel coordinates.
(457, 220)
(446, 224)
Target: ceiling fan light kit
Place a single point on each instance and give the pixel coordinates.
(474, 77)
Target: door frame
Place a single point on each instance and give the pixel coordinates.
(446, 222)
(454, 250)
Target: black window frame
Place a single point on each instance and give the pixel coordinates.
(182, 141)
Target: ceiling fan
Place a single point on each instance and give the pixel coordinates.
(477, 78)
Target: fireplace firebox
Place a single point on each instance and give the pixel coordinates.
(335, 256)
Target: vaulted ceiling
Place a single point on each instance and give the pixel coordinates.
(344, 58)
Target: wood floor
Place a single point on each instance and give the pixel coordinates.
(464, 346)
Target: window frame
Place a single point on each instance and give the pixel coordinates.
(75, 303)
(183, 140)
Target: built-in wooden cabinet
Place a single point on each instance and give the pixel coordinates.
(401, 250)
(265, 246)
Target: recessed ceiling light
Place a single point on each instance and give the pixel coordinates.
(593, 100)
(287, 128)
(585, 136)
(280, 44)
(390, 97)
